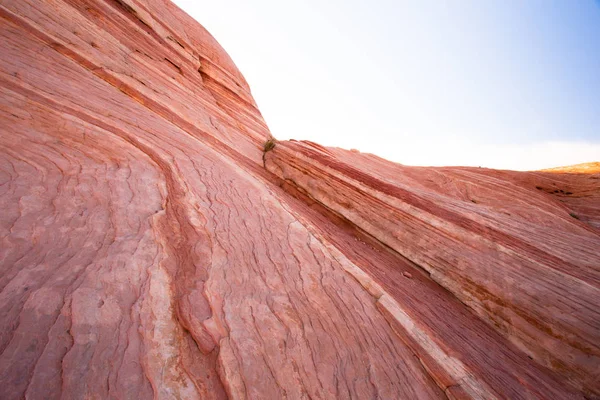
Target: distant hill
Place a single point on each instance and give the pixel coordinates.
(585, 168)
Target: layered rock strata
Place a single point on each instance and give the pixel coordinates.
(150, 249)
(507, 244)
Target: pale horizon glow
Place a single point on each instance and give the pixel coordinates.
(506, 85)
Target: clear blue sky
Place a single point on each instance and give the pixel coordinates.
(503, 84)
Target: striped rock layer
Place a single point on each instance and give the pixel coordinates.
(150, 248)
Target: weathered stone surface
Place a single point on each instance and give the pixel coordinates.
(145, 251)
(506, 244)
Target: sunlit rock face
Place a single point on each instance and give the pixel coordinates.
(150, 249)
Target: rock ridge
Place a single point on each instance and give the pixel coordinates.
(311, 168)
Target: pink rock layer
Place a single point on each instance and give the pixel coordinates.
(520, 249)
(149, 249)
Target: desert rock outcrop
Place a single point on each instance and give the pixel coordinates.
(149, 248)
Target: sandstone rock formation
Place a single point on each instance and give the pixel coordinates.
(150, 249)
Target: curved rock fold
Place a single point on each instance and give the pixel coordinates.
(150, 248)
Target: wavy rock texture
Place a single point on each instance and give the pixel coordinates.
(509, 245)
(149, 249)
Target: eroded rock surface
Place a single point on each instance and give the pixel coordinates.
(148, 250)
(518, 248)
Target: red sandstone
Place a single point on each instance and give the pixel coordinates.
(149, 249)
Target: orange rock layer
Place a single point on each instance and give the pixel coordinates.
(150, 249)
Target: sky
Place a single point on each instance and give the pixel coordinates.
(509, 84)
